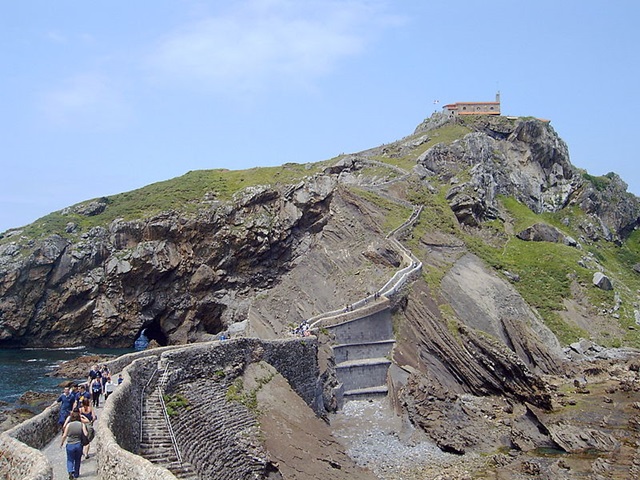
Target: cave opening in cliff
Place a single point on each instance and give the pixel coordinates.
(153, 331)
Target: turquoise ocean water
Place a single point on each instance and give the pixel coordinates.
(26, 369)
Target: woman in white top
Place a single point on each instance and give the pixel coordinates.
(109, 387)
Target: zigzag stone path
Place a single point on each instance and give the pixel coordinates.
(363, 332)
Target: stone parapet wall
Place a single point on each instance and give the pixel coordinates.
(118, 364)
(356, 351)
(20, 455)
(38, 431)
(364, 307)
(21, 462)
(295, 359)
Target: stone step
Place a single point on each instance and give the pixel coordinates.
(378, 342)
(151, 446)
(154, 434)
(364, 362)
(361, 392)
(156, 445)
(160, 458)
(357, 351)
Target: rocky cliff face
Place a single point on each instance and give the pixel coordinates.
(172, 274)
(185, 277)
(528, 161)
(274, 256)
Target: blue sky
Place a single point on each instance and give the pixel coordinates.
(100, 98)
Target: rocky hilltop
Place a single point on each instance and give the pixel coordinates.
(531, 266)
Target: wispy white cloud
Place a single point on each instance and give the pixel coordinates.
(88, 101)
(259, 43)
(56, 37)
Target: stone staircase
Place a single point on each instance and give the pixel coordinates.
(363, 354)
(156, 445)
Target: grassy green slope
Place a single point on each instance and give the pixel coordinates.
(184, 194)
(546, 270)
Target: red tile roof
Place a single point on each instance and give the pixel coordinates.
(490, 112)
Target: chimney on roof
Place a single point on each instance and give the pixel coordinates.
(498, 97)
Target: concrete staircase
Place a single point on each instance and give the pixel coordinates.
(363, 354)
(156, 445)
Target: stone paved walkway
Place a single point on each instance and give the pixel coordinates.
(58, 458)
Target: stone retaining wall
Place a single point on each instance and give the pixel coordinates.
(364, 375)
(295, 359)
(370, 328)
(357, 351)
(220, 437)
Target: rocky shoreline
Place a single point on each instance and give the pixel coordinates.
(31, 403)
(591, 431)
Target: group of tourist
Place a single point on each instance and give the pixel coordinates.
(77, 414)
(303, 330)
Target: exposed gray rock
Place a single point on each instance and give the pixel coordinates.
(383, 255)
(614, 210)
(586, 347)
(434, 121)
(600, 280)
(527, 160)
(422, 171)
(91, 209)
(487, 303)
(524, 159)
(570, 241)
(526, 433)
(513, 277)
(541, 232)
(577, 439)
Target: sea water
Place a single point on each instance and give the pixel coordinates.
(26, 369)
